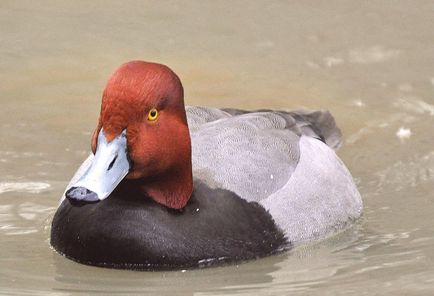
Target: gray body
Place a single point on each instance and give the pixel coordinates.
(278, 160)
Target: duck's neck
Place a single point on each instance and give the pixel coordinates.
(172, 190)
(173, 186)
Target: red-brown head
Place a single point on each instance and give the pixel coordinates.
(146, 100)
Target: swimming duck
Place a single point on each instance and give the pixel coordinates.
(170, 187)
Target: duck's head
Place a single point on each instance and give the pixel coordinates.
(142, 134)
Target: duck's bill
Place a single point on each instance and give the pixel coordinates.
(109, 166)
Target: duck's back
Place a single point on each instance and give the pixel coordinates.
(282, 160)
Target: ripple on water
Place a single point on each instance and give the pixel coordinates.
(30, 187)
(414, 105)
(24, 218)
(407, 174)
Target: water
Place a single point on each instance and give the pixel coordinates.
(370, 63)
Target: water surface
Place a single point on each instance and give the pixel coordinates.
(370, 63)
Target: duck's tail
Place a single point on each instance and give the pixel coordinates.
(319, 124)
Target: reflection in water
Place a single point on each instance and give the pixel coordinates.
(370, 64)
(186, 282)
(313, 262)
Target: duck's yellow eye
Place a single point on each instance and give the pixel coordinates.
(153, 114)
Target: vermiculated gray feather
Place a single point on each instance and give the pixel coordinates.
(278, 159)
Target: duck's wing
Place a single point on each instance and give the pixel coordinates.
(252, 154)
(316, 124)
(282, 160)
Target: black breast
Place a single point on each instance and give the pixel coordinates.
(134, 232)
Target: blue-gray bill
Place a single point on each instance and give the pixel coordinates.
(109, 166)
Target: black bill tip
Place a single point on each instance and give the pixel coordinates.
(81, 194)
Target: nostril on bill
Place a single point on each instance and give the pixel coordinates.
(81, 194)
(112, 163)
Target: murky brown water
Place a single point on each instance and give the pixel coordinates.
(370, 63)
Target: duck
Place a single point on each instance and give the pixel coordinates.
(169, 186)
